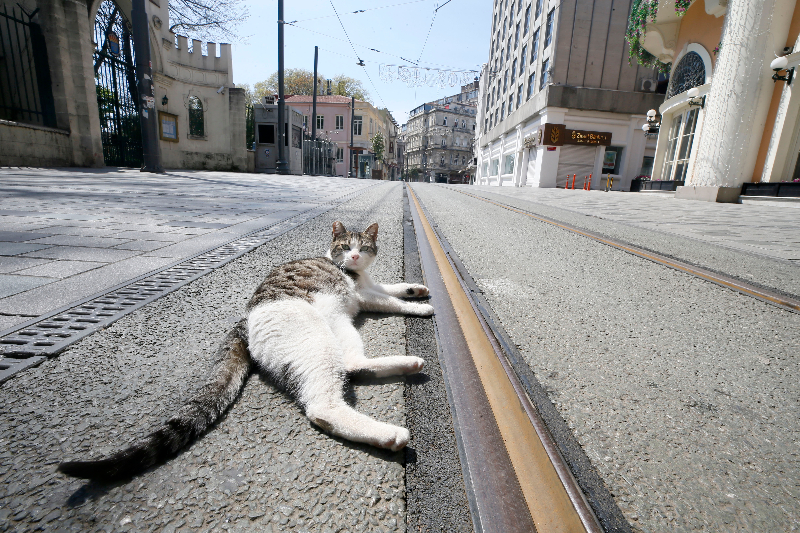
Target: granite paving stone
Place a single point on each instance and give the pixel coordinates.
(13, 263)
(20, 236)
(61, 269)
(18, 248)
(11, 284)
(81, 241)
(81, 253)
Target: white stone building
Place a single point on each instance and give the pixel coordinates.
(562, 63)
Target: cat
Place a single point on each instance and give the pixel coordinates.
(298, 330)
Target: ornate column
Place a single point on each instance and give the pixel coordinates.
(738, 102)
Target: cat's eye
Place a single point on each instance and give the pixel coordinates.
(365, 248)
(345, 247)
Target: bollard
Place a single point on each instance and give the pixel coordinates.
(589, 184)
(573, 181)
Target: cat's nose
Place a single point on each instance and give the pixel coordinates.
(355, 257)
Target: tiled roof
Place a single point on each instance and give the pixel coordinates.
(321, 98)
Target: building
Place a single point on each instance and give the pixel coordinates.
(438, 138)
(333, 123)
(69, 97)
(558, 97)
(730, 115)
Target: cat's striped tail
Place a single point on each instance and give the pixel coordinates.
(192, 420)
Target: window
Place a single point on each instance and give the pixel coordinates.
(690, 72)
(522, 57)
(357, 123)
(514, 71)
(535, 46)
(495, 167)
(505, 81)
(545, 67)
(612, 160)
(444, 121)
(442, 160)
(510, 104)
(266, 134)
(305, 121)
(444, 143)
(508, 50)
(531, 83)
(196, 126)
(339, 155)
(502, 112)
(320, 122)
(527, 21)
(508, 167)
(463, 124)
(679, 146)
(516, 36)
(339, 122)
(519, 94)
(485, 169)
(538, 9)
(501, 55)
(548, 33)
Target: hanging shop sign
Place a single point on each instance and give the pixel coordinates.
(559, 135)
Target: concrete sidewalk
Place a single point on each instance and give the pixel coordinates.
(759, 228)
(67, 234)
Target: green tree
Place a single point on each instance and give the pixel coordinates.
(301, 81)
(378, 146)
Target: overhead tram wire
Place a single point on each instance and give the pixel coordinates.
(358, 11)
(435, 11)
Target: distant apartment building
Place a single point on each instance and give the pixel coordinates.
(558, 97)
(333, 122)
(438, 137)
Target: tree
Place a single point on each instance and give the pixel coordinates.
(378, 146)
(301, 81)
(207, 20)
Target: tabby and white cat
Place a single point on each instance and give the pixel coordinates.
(299, 330)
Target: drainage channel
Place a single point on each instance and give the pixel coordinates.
(43, 337)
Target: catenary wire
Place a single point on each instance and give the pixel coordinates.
(360, 11)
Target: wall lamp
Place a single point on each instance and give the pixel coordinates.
(164, 101)
(652, 125)
(693, 93)
(778, 64)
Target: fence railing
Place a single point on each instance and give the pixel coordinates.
(26, 93)
(319, 157)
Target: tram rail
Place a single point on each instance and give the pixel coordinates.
(517, 479)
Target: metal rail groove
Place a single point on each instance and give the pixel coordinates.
(553, 498)
(783, 301)
(29, 344)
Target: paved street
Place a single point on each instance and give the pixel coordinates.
(68, 234)
(681, 394)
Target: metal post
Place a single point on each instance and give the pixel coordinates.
(314, 110)
(282, 167)
(151, 156)
(352, 124)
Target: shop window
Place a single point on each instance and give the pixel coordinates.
(612, 160)
(508, 164)
(679, 146)
(495, 167)
(196, 125)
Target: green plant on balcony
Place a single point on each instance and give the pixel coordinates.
(642, 12)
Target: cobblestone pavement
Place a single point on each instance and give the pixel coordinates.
(683, 394)
(66, 234)
(264, 467)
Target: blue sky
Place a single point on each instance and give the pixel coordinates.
(458, 39)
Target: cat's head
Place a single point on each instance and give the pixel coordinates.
(353, 250)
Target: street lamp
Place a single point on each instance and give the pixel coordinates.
(652, 125)
(778, 64)
(693, 93)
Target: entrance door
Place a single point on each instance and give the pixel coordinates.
(115, 83)
(679, 146)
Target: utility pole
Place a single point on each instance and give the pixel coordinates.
(352, 125)
(282, 167)
(314, 112)
(148, 116)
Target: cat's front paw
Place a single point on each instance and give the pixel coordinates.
(413, 365)
(417, 291)
(422, 310)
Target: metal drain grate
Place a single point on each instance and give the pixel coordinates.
(46, 337)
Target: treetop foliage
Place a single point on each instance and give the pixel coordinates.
(301, 81)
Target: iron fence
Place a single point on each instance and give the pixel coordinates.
(26, 92)
(319, 157)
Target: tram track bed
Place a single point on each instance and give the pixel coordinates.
(682, 394)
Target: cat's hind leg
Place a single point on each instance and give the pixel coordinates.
(356, 362)
(293, 342)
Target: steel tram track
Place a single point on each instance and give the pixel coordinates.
(516, 476)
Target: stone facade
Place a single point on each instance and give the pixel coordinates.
(561, 62)
(179, 74)
(438, 138)
(742, 127)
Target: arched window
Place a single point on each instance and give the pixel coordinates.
(690, 72)
(196, 125)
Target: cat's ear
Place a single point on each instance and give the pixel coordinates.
(372, 231)
(338, 229)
